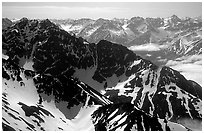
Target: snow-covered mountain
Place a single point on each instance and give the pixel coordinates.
(135, 31)
(157, 39)
(52, 80)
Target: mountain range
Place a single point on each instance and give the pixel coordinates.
(155, 39)
(55, 80)
(170, 37)
(134, 31)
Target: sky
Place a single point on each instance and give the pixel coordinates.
(95, 10)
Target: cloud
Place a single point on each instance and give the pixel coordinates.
(189, 66)
(193, 59)
(148, 47)
(198, 62)
(190, 71)
(172, 63)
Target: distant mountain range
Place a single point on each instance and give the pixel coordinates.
(55, 80)
(134, 31)
(170, 37)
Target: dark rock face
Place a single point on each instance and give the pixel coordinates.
(6, 23)
(115, 56)
(141, 92)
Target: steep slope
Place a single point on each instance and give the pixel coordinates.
(74, 75)
(6, 23)
(126, 117)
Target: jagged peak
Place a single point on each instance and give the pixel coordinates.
(24, 19)
(46, 22)
(7, 19)
(138, 18)
(102, 20)
(175, 17)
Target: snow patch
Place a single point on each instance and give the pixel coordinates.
(88, 33)
(148, 55)
(83, 121)
(66, 27)
(117, 32)
(135, 63)
(5, 56)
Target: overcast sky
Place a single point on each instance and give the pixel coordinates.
(97, 10)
